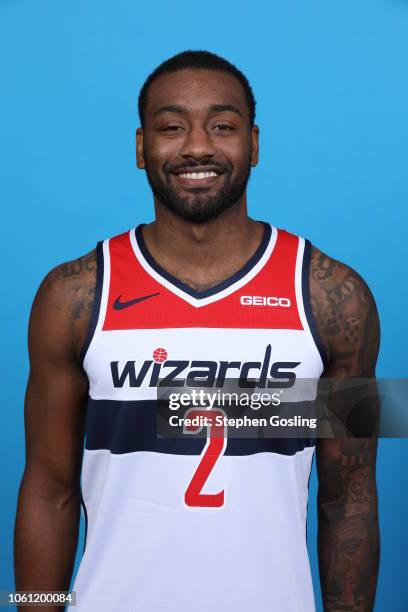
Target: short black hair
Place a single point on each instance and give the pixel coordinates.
(196, 60)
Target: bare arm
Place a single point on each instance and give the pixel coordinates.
(348, 534)
(48, 509)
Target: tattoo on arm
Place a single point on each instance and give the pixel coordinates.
(348, 535)
(77, 266)
(348, 540)
(78, 275)
(73, 285)
(346, 316)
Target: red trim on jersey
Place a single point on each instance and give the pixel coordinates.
(130, 281)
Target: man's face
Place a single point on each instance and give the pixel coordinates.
(197, 146)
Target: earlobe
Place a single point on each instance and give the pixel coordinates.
(140, 162)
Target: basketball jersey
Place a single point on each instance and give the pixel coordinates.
(146, 548)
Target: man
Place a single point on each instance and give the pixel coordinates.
(171, 526)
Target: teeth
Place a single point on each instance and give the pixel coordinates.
(197, 175)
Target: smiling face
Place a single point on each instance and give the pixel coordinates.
(197, 145)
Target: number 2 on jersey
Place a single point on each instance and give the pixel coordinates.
(213, 451)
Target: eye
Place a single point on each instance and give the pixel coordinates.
(171, 128)
(223, 127)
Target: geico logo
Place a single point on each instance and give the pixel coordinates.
(263, 300)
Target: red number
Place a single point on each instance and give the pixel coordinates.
(213, 451)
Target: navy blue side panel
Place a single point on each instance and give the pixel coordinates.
(307, 304)
(97, 300)
(220, 286)
(126, 427)
(308, 492)
(86, 520)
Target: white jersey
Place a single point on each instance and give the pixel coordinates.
(169, 526)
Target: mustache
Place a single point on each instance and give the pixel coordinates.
(169, 168)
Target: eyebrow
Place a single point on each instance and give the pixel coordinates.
(171, 108)
(183, 110)
(225, 108)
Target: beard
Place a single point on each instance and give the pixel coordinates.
(198, 207)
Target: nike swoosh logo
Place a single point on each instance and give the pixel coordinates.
(118, 305)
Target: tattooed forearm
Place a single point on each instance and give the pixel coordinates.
(348, 536)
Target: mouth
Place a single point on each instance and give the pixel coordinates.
(197, 177)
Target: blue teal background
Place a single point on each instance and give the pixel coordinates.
(331, 83)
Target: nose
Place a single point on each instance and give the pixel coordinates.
(197, 144)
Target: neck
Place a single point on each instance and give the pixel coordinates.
(203, 254)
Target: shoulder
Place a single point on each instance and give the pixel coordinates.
(70, 285)
(63, 304)
(346, 316)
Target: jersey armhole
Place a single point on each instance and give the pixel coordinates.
(307, 302)
(96, 307)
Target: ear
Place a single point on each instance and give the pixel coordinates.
(255, 145)
(140, 161)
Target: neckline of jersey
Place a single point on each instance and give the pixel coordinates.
(198, 295)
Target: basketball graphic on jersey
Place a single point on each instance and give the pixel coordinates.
(159, 355)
